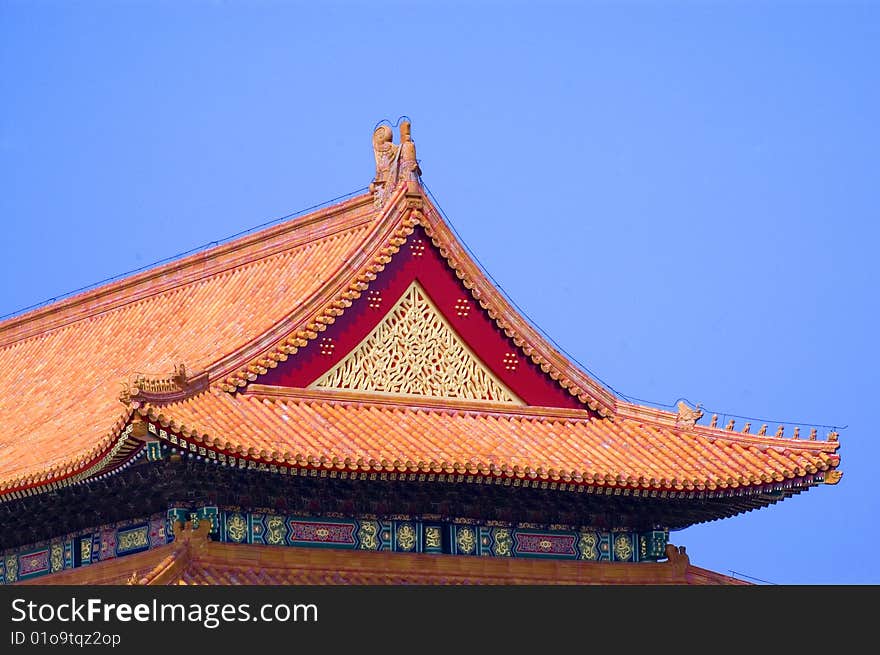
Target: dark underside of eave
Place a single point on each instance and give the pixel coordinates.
(151, 487)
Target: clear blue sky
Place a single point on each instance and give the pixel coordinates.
(684, 196)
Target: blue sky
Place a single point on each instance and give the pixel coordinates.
(683, 195)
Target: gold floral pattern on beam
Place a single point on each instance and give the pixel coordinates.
(415, 351)
(466, 540)
(132, 539)
(503, 542)
(406, 537)
(236, 528)
(57, 557)
(368, 535)
(275, 533)
(432, 537)
(11, 568)
(587, 543)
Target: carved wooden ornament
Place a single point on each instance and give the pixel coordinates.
(415, 351)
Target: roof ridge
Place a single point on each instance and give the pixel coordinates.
(405, 209)
(565, 372)
(245, 354)
(669, 420)
(310, 317)
(117, 294)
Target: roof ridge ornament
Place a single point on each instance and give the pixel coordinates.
(687, 416)
(181, 383)
(395, 163)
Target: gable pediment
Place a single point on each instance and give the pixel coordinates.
(417, 330)
(415, 351)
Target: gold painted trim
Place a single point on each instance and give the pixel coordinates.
(300, 394)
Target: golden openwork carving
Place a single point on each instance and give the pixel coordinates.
(415, 351)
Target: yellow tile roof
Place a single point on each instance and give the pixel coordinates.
(232, 313)
(354, 432)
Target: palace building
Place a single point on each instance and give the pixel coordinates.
(346, 398)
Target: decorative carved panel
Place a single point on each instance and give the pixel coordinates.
(415, 351)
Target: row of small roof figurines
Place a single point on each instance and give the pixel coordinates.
(688, 416)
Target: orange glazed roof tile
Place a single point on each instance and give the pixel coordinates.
(352, 432)
(231, 314)
(70, 358)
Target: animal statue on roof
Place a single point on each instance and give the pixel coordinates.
(386, 153)
(409, 165)
(686, 415)
(394, 162)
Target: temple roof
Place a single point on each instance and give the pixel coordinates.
(217, 353)
(345, 430)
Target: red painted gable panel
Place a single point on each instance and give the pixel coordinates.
(418, 260)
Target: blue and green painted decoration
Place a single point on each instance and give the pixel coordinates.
(84, 548)
(438, 537)
(413, 536)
